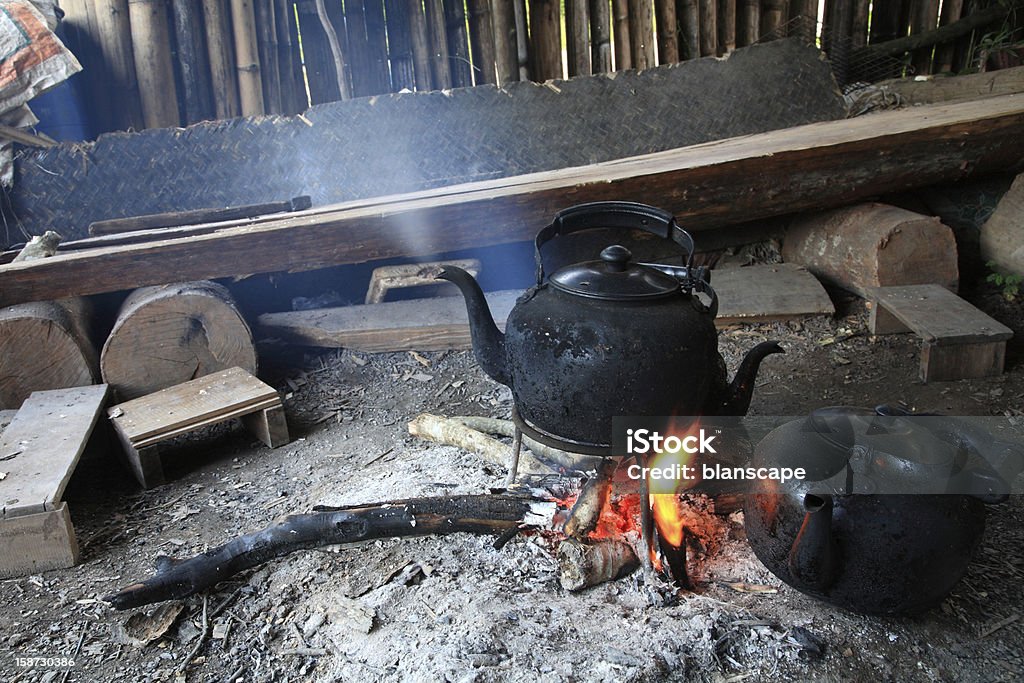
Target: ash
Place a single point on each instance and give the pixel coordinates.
(455, 609)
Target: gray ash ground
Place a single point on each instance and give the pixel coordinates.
(455, 609)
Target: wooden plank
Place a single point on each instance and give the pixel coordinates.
(196, 216)
(938, 316)
(962, 361)
(38, 542)
(222, 416)
(189, 403)
(707, 186)
(752, 294)
(268, 425)
(48, 435)
(934, 90)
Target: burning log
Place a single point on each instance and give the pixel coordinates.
(481, 514)
(451, 432)
(583, 565)
(586, 513)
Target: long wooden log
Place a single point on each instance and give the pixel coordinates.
(151, 44)
(895, 48)
(223, 76)
(482, 514)
(193, 62)
(115, 42)
(707, 186)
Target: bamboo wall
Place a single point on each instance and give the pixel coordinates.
(172, 62)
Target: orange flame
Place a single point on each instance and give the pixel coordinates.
(664, 493)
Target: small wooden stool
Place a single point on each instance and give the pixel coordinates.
(142, 423)
(960, 342)
(39, 450)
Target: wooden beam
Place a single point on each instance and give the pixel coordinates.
(956, 88)
(707, 186)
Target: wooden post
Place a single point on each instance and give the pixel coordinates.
(503, 18)
(546, 39)
(481, 40)
(247, 60)
(321, 70)
(403, 70)
(115, 42)
(859, 28)
(748, 26)
(439, 44)
(151, 45)
(522, 39)
(925, 19)
(620, 21)
(289, 66)
(668, 31)
(193, 63)
(804, 15)
(266, 42)
(577, 32)
(458, 43)
(600, 36)
(951, 11)
(220, 49)
(773, 17)
(688, 13)
(840, 20)
(726, 25)
(641, 33)
(708, 27)
(419, 36)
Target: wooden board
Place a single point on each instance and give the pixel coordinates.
(933, 89)
(936, 315)
(37, 542)
(48, 435)
(709, 185)
(751, 294)
(186, 405)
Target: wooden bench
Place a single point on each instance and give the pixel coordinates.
(39, 450)
(142, 423)
(960, 342)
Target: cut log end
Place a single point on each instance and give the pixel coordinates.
(582, 565)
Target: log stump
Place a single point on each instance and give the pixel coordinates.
(169, 334)
(45, 345)
(873, 245)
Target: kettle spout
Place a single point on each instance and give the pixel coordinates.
(814, 557)
(742, 388)
(488, 341)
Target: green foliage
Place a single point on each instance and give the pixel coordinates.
(1008, 283)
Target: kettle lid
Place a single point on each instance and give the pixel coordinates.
(614, 278)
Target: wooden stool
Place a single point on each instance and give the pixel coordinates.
(960, 342)
(38, 452)
(142, 423)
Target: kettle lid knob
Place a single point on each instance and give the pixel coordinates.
(616, 256)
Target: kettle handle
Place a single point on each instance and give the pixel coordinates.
(626, 215)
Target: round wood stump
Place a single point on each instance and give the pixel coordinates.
(169, 334)
(44, 346)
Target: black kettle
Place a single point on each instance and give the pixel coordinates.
(609, 337)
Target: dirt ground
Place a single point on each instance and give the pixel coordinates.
(455, 609)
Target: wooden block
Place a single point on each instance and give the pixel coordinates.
(47, 437)
(36, 542)
(938, 316)
(962, 361)
(185, 406)
(268, 425)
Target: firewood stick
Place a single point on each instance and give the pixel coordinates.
(450, 432)
(482, 514)
(491, 425)
(582, 565)
(586, 513)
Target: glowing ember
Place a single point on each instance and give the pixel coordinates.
(664, 493)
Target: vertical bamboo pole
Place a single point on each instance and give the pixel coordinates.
(925, 19)
(885, 19)
(668, 31)
(577, 31)
(641, 33)
(859, 28)
(620, 21)
(420, 40)
(727, 25)
(320, 69)
(951, 10)
(330, 25)
(481, 42)
(247, 59)
(403, 70)
(377, 47)
(115, 43)
(458, 43)
(708, 27)
(193, 62)
(600, 36)
(748, 23)
(688, 14)
(804, 15)
(771, 19)
(522, 39)
(503, 18)
(266, 44)
(439, 45)
(220, 50)
(840, 19)
(293, 89)
(546, 39)
(151, 45)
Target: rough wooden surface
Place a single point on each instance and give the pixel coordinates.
(171, 334)
(45, 345)
(937, 89)
(873, 245)
(34, 543)
(151, 45)
(1002, 236)
(46, 437)
(768, 292)
(706, 186)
